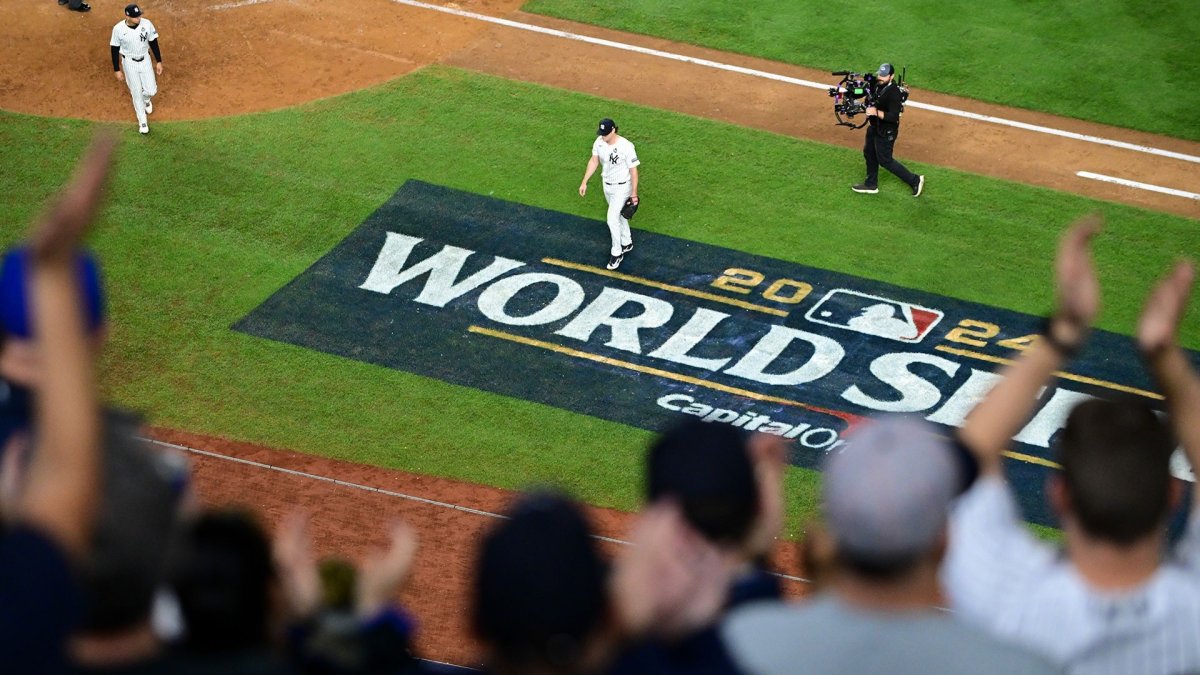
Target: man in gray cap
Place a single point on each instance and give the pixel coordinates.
(883, 126)
(886, 499)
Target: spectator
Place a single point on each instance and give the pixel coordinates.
(52, 526)
(137, 524)
(344, 620)
(225, 585)
(729, 485)
(540, 598)
(1112, 600)
(886, 498)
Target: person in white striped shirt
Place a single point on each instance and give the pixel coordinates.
(1114, 599)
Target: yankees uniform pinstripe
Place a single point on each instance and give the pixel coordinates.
(615, 161)
(1000, 577)
(134, 44)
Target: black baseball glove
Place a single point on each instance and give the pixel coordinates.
(629, 209)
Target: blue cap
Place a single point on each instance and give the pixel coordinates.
(15, 318)
(885, 69)
(606, 127)
(133, 11)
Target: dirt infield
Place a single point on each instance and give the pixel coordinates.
(225, 57)
(351, 506)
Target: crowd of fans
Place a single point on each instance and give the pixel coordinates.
(921, 565)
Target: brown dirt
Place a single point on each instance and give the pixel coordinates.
(351, 517)
(223, 60)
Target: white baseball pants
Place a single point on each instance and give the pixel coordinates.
(618, 226)
(139, 77)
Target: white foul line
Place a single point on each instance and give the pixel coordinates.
(235, 5)
(1135, 184)
(389, 493)
(797, 81)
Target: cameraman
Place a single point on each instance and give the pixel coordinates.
(884, 124)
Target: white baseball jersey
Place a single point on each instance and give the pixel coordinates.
(998, 576)
(615, 160)
(134, 42)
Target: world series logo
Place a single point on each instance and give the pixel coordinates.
(499, 296)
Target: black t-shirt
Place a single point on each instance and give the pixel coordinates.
(890, 102)
(40, 603)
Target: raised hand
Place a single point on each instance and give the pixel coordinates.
(1159, 323)
(297, 566)
(769, 454)
(670, 580)
(1076, 286)
(55, 237)
(383, 573)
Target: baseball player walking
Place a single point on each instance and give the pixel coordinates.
(131, 40)
(620, 176)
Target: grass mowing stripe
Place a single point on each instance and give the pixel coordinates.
(1096, 60)
(207, 219)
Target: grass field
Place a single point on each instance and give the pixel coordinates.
(207, 219)
(1121, 62)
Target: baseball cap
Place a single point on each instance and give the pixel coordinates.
(15, 318)
(706, 468)
(888, 491)
(885, 69)
(133, 11)
(540, 587)
(606, 127)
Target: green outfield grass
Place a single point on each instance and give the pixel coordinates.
(208, 219)
(1121, 62)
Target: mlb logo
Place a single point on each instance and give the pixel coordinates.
(873, 315)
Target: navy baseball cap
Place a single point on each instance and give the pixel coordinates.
(133, 11)
(706, 468)
(606, 127)
(15, 318)
(885, 69)
(540, 586)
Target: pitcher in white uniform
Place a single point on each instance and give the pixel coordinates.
(620, 175)
(132, 40)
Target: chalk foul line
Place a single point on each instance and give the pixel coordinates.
(1140, 186)
(794, 80)
(381, 491)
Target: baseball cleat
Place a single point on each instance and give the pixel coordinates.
(144, 129)
(626, 248)
(614, 262)
(863, 188)
(149, 107)
(920, 186)
(83, 7)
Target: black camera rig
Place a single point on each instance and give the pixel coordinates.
(855, 93)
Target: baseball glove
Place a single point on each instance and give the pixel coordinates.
(629, 209)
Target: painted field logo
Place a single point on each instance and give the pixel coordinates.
(502, 297)
(873, 315)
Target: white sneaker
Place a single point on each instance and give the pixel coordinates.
(149, 106)
(614, 261)
(144, 129)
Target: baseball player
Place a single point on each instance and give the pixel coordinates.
(131, 40)
(620, 176)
